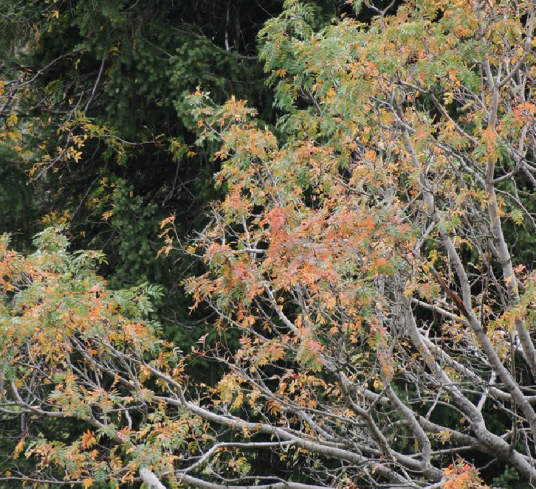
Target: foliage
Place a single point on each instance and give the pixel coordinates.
(59, 324)
(372, 320)
(17, 204)
(92, 93)
(360, 248)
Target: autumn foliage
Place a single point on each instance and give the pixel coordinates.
(368, 305)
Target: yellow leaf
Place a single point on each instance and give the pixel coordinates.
(167, 220)
(19, 448)
(443, 436)
(448, 97)
(88, 483)
(12, 120)
(88, 439)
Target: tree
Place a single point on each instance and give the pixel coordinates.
(91, 91)
(94, 129)
(384, 318)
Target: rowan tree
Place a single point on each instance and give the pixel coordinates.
(373, 307)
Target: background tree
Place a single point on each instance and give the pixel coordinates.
(96, 130)
(93, 111)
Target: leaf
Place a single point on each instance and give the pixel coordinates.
(88, 440)
(19, 448)
(12, 120)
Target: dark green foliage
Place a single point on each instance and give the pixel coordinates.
(17, 205)
(127, 66)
